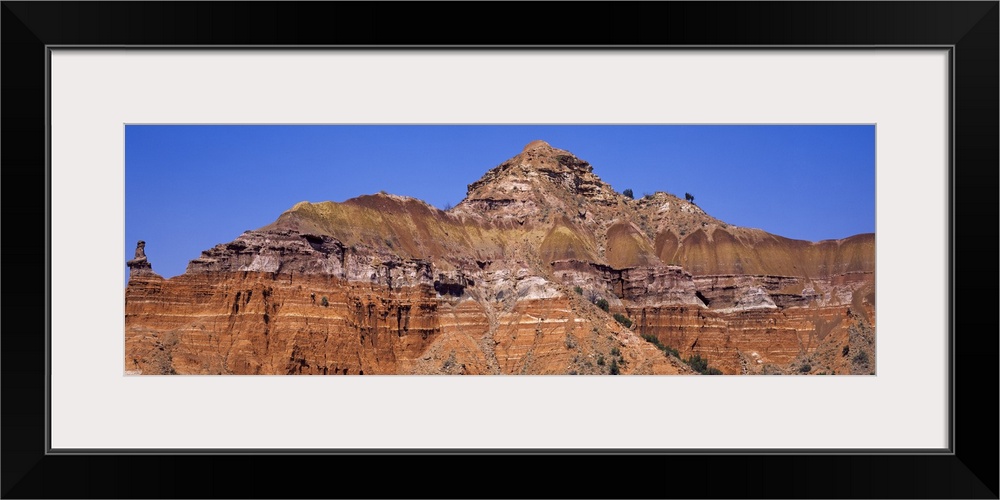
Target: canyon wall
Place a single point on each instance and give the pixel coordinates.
(542, 269)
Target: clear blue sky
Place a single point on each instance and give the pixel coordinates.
(188, 188)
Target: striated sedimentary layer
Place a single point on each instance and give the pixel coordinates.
(541, 269)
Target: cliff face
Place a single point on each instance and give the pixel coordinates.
(524, 276)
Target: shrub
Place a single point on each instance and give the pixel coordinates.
(619, 317)
(324, 302)
(861, 357)
(628, 192)
(698, 363)
(665, 348)
(616, 352)
(806, 369)
(614, 366)
(603, 304)
(570, 342)
(600, 360)
(578, 290)
(652, 340)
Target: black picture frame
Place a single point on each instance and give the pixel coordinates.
(969, 28)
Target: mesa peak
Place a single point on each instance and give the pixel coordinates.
(535, 145)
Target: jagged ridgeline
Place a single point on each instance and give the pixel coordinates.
(542, 269)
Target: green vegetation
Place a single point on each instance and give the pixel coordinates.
(806, 368)
(600, 360)
(578, 290)
(603, 304)
(628, 192)
(666, 349)
(324, 302)
(696, 362)
(614, 366)
(616, 352)
(570, 341)
(621, 318)
(700, 365)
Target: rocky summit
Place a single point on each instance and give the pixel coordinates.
(542, 269)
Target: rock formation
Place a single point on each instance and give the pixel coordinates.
(139, 265)
(541, 269)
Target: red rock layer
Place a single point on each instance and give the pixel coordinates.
(270, 323)
(253, 323)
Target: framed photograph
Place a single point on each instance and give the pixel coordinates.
(134, 113)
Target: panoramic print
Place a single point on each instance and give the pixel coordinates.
(499, 250)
